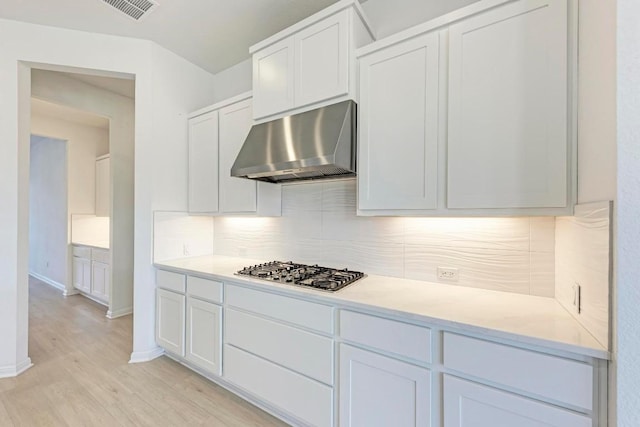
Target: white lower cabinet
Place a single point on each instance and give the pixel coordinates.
(204, 325)
(92, 272)
(100, 280)
(170, 321)
(376, 390)
(82, 274)
(470, 404)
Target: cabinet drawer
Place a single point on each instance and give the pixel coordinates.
(82, 252)
(301, 351)
(302, 397)
(101, 255)
(172, 281)
(205, 289)
(388, 335)
(311, 315)
(553, 377)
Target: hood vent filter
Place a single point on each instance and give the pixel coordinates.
(135, 9)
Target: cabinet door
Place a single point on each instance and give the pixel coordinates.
(238, 195)
(508, 144)
(273, 79)
(398, 146)
(322, 60)
(82, 274)
(103, 187)
(468, 404)
(204, 341)
(379, 391)
(203, 163)
(170, 331)
(100, 280)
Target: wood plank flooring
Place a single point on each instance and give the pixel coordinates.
(82, 376)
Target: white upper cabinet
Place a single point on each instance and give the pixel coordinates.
(273, 78)
(475, 117)
(508, 144)
(216, 135)
(103, 186)
(398, 150)
(310, 63)
(203, 163)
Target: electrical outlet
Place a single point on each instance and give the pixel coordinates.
(577, 296)
(448, 274)
(185, 250)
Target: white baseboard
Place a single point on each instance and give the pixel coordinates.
(49, 281)
(146, 356)
(14, 371)
(69, 292)
(119, 313)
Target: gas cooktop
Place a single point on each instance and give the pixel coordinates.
(310, 276)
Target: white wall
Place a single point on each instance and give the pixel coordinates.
(389, 17)
(48, 222)
(319, 225)
(234, 80)
(627, 351)
(167, 89)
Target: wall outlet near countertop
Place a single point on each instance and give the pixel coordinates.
(186, 250)
(448, 274)
(577, 295)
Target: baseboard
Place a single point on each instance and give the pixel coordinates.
(146, 356)
(48, 281)
(14, 371)
(119, 313)
(69, 292)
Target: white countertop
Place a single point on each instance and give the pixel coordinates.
(100, 244)
(521, 318)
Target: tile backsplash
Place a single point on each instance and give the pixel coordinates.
(319, 225)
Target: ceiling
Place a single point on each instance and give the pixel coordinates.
(213, 34)
(55, 111)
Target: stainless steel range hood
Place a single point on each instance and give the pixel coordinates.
(312, 145)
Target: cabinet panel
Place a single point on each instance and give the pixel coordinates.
(170, 321)
(273, 78)
(100, 280)
(379, 391)
(300, 396)
(304, 313)
(204, 340)
(553, 377)
(468, 404)
(508, 137)
(322, 60)
(82, 274)
(398, 149)
(203, 163)
(303, 352)
(103, 187)
(238, 195)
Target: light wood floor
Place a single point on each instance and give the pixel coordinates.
(82, 377)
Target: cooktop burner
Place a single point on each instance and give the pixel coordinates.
(311, 276)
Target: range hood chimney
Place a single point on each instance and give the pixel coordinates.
(315, 144)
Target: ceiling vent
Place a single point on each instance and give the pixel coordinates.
(136, 9)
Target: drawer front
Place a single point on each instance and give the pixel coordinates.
(311, 315)
(303, 352)
(82, 252)
(172, 281)
(388, 335)
(553, 377)
(205, 289)
(101, 255)
(302, 397)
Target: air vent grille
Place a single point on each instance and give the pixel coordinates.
(135, 9)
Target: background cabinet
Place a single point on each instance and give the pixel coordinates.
(203, 163)
(470, 404)
(398, 150)
(82, 274)
(100, 280)
(508, 144)
(103, 186)
(216, 135)
(92, 272)
(376, 390)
